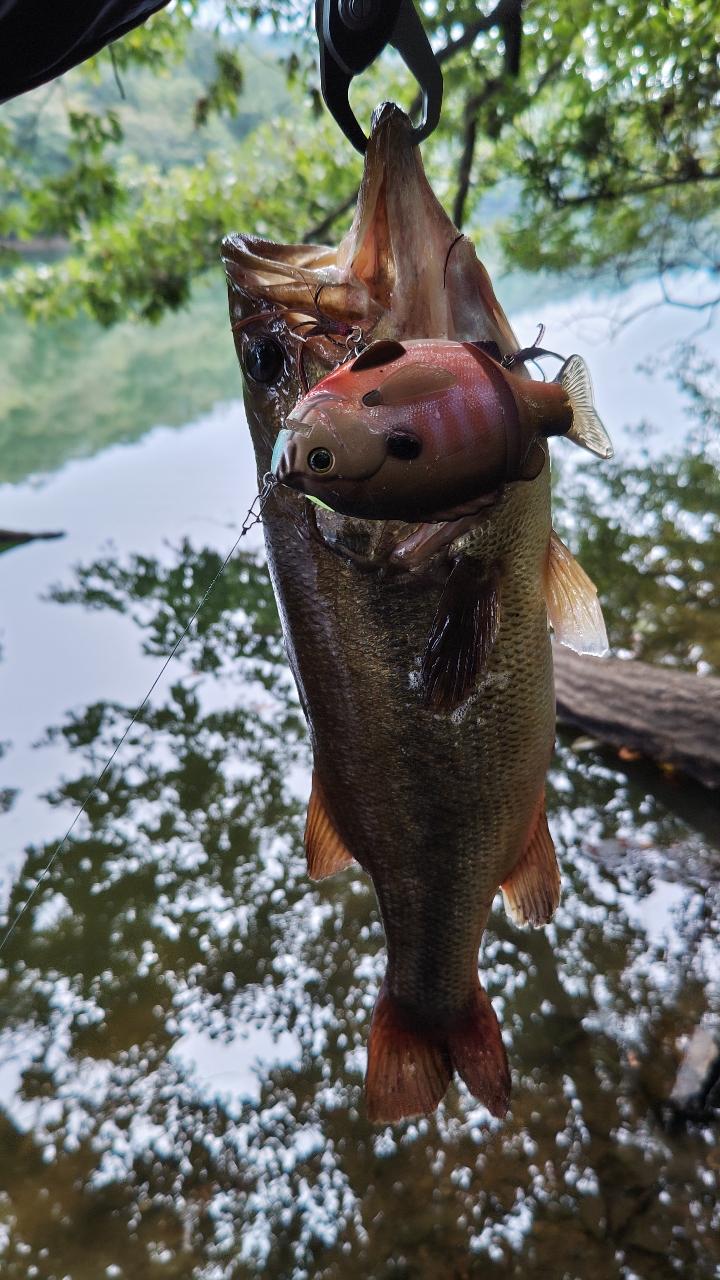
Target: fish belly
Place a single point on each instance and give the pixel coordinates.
(436, 807)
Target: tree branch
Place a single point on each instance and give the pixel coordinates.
(608, 197)
(472, 106)
(506, 12)
(464, 170)
(321, 228)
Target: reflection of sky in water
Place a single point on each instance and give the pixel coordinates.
(198, 482)
(195, 1074)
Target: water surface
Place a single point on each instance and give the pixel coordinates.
(184, 1015)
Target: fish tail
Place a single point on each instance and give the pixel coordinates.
(410, 1067)
(478, 1054)
(587, 429)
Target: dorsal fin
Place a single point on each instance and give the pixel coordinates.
(587, 430)
(572, 604)
(326, 851)
(413, 382)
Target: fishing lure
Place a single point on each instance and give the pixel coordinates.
(431, 430)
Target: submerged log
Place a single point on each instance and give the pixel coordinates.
(670, 716)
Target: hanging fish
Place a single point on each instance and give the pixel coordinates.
(420, 649)
(430, 430)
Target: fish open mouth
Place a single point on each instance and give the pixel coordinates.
(402, 270)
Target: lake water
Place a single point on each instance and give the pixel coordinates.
(185, 1015)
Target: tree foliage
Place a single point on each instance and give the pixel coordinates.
(605, 151)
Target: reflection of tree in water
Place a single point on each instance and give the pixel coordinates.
(183, 906)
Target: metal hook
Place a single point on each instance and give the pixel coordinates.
(352, 34)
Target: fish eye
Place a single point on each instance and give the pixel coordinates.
(404, 447)
(263, 359)
(320, 460)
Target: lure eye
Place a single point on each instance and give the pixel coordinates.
(320, 460)
(263, 359)
(404, 447)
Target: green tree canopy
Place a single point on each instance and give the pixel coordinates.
(605, 150)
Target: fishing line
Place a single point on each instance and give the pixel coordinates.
(252, 518)
(118, 81)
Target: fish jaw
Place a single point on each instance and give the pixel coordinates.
(402, 271)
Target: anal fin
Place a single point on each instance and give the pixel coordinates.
(326, 851)
(572, 602)
(532, 890)
(464, 629)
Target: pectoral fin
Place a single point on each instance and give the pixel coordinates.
(573, 608)
(326, 851)
(587, 430)
(412, 382)
(464, 629)
(532, 890)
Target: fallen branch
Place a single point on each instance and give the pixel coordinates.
(10, 539)
(669, 716)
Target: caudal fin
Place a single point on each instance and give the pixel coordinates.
(410, 1067)
(587, 430)
(478, 1054)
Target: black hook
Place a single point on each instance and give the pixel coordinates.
(352, 34)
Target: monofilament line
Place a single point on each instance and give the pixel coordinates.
(252, 518)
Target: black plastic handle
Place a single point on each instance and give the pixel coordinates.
(352, 34)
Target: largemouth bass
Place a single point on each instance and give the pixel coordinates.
(420, 650)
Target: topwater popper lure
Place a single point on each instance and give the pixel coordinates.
(416, 596)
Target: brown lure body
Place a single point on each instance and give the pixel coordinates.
(421, 651)
(422, 430)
